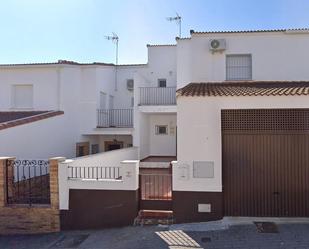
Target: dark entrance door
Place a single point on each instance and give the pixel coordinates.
(113, 145)
(266, 162)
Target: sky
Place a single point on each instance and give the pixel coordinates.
(49, 30)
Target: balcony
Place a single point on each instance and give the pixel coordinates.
(157, 96)
(117, 118)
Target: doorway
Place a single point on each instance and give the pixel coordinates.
(113, 145)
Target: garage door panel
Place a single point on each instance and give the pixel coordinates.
(265, 173)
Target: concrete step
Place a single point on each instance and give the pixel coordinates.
(154, 217)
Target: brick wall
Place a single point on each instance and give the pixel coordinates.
(25, 219)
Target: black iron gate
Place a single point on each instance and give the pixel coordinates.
(27, 182)
(155, 189)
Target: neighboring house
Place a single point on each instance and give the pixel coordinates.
(239, 130)
(105, 107)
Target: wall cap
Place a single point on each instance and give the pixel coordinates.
(129, 161)
(7, 158)
(59, 159)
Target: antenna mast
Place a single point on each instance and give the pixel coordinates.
(115, 39)
(176, 19)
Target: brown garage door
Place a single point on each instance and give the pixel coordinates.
(266, 162)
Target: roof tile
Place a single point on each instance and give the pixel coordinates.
(27, 117)
(246, 88)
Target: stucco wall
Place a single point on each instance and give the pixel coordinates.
(38, 140)
(162, 145)
(124, 158)
(199, 134)
(43, 79)
(275, 56)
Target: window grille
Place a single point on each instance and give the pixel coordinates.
(239, 67)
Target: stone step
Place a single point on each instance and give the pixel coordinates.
(159, 214)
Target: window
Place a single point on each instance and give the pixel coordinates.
(130, 84)
(162, 82)
(81, 150)
(94, 148)
(161, 129)
(239, 67)
(132, 101)
(22, 96)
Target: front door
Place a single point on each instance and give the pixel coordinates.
(113, 145)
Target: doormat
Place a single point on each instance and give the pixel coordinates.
(70, 241)
(266, 227)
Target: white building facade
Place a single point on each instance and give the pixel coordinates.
(218, 76)
(105, 106)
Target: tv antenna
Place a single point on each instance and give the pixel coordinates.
(176, 19)
(115, 39)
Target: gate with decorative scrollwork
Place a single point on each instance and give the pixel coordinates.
(27, 182)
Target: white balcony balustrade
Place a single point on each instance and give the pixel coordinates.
(157, 96)
(119, 118)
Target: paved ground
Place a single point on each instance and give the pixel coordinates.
(290, 236)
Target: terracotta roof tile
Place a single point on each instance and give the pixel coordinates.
(246, 88)
(250, 31)
(12, 119)
(161, 45)
(13, 115)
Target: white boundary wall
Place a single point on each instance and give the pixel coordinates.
(123, 158)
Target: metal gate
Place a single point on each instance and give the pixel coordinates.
(266, 162)
(155, 189)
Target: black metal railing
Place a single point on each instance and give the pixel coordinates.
(155, 186)
(157, 96)
(94, 173)
(115, 118)
(27, 182)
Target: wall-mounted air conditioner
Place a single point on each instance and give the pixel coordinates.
(130, 85)
(217, 45)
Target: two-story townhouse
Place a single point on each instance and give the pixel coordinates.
(242, 117)
(238, 124)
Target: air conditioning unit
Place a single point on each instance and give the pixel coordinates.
(130, 85)
(217, 45)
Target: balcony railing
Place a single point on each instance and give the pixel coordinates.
(157, 96)
(120, 118)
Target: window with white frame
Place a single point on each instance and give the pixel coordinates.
(239, 67)
(161, 130)
(22, 96)
(161, 82)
